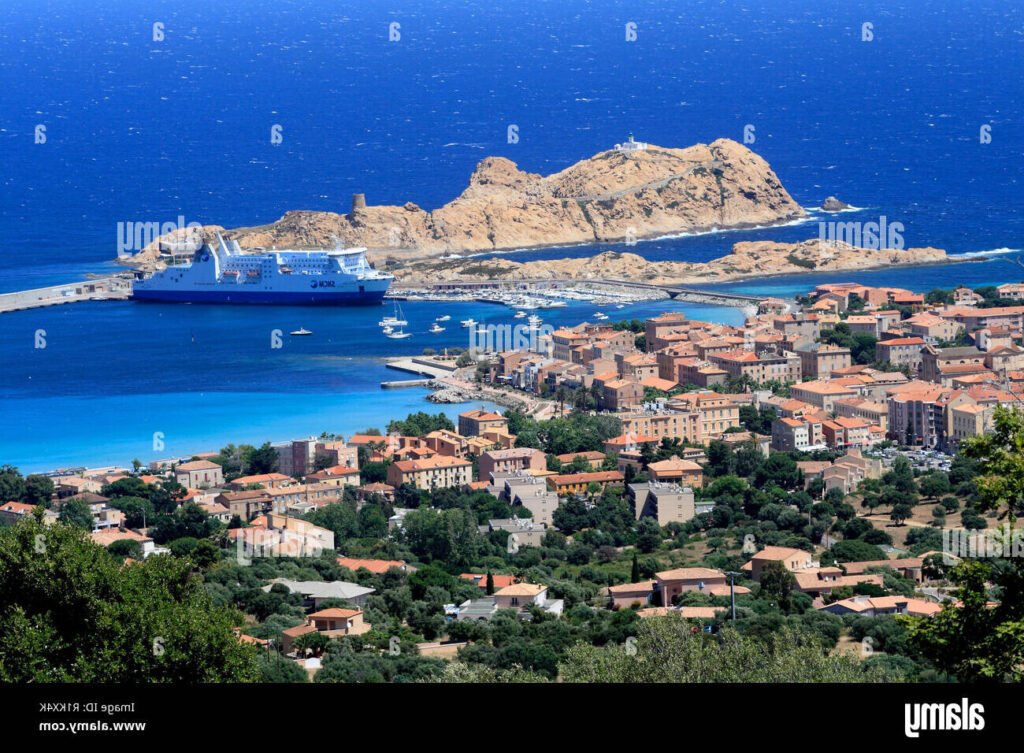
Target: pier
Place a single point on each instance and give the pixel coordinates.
(115, 288)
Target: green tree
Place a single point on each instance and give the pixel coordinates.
(12, 485)
(76, 512)
(38, 490)
(777, 583)
(100, 622)
(667, 650)
(999, 456)
(262, 459)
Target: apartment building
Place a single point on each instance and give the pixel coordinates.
(767, 367)
(437, 472)
(901, 351)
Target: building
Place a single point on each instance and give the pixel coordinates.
(768, 366)
(900, 352)
(822, 393)
(336, 475)
(521, 531)
(333, 623)
(199, 474)
(315, 592)
(671, 583)
(940, 365)
(262, 480)
(801, 434)
(628, 595)
(475, 423)
(568, 484)
(524, 459)
(296, 458)
(377, 567)
(532, 493)
(245, 505)
(437, 472)
(667, 503)
(794, 560)
(821, 359)
(677, 471)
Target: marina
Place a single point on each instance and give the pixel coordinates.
(532, 295)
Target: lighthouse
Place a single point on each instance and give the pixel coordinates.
(631, 145)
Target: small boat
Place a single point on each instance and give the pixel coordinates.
(400, 335)
(467, 323)
(397, 320)
(621, 306)
(520, 315)
(303, 332)
(435, 328)
(600, 315)
(444, 318)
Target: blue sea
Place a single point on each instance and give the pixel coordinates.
(141, 130)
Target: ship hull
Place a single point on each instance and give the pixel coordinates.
(263, 297)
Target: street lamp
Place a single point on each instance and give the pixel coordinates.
(732, 591)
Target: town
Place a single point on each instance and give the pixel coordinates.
(660, 479)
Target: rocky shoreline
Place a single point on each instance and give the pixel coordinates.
(747, 259)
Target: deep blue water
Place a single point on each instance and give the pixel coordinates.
(139, 130)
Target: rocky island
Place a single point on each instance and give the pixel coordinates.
(631, 192)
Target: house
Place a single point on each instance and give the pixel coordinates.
(274, 535)
(498, 580)
(629, 595)
(794, 560)
(520, 596)
(108, 536)
(314, 592)
(377, 567)
(333, 623)
(908, 567)
(567, 484)
(677, 471)
(199, 474)
(875, 606)
(262, 480)
(336, 475)
(671, 583)
(592, 458)
(521, 531)
(12, 512)
(246, 504)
